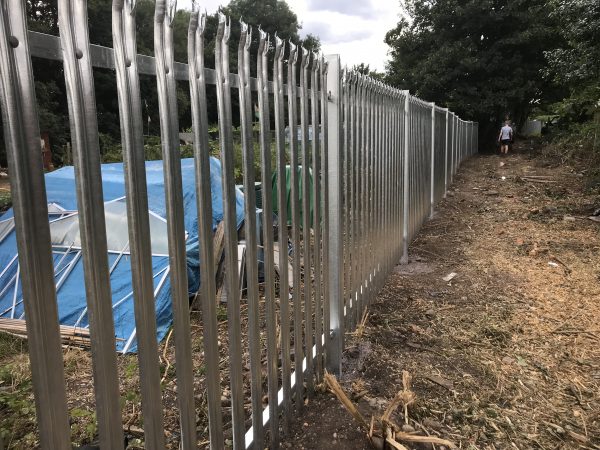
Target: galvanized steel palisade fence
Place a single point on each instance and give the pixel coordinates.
(378, 161)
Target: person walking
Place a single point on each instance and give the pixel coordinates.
(505, 138)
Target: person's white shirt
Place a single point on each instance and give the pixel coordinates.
(505, 132)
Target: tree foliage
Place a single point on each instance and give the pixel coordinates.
(574, 65)
(272, 15)
(481, 58)
(365, 69)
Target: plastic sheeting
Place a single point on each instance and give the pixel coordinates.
(288, 192)
(68, 266)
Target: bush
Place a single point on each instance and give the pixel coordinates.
(112, 151)
(578, 142)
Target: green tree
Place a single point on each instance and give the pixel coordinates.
(365, 69)
(43, 16)
(574, 66)
(272, 15)
(481, 58)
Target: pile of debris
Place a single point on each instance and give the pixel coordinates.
(383, 432)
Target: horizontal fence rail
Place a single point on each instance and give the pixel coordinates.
(365, 171)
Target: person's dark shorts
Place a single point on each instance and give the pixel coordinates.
(505, 141)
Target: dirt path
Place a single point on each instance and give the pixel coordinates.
(506, 354)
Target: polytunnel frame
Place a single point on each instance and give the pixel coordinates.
(64, 271)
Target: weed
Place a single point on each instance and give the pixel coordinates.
(17, 407)
(5, 201)
(131, 369)
(83, 425)
(11, 345)
(221, 313)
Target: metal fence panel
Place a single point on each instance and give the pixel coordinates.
(365, 172)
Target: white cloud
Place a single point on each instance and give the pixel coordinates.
(334, 35)
(362, 8)
(353, 28)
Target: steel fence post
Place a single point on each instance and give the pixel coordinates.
(463, 130)
(344, 180)
(371, 186)
(379, 212)
(470, 149)
(456, 149)
(360, 190)
(406, 192)
(325, 201)
(474, 127)
(432, 168)
(335, 337)
(446, 158)
(352, 186)
(462, 144)
(347, 189)
(399, 173)
(396, 174)
(453, 159)
(368, 136)
(455, 146)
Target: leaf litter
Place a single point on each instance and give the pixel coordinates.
(508, 354)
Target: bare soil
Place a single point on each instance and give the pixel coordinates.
(507, 353)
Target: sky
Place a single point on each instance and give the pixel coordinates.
(354, 29)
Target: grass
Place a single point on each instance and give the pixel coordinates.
(17, 406)
(5, 201)
(18, 424)
(11, 345)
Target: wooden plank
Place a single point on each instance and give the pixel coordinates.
(69, 335)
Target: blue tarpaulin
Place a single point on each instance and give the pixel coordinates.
(68, 265)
